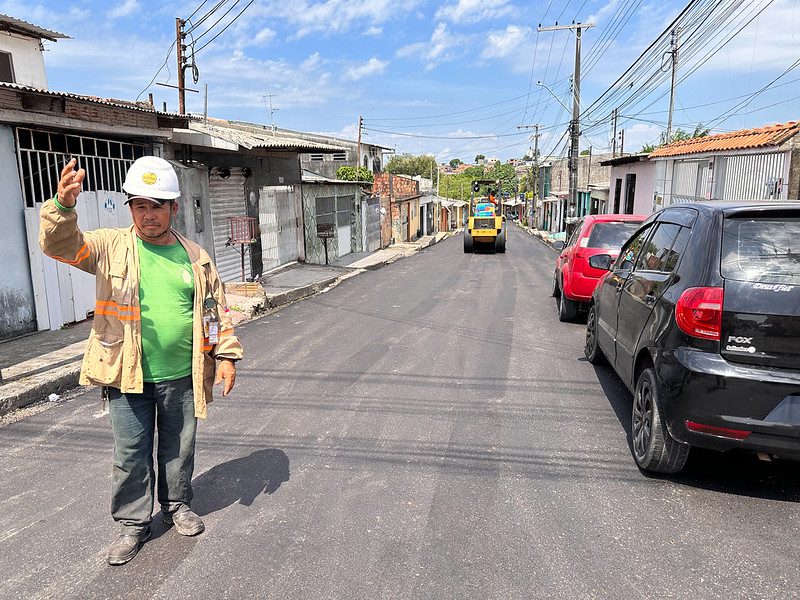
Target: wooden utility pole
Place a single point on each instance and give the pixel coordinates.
(574, 125)
(358, 150)
(180, 36)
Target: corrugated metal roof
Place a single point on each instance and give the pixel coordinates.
(142, 107)
(746, 139)
(255, 136)
(11, 24)
(311, 177)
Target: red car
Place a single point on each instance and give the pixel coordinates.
(574, 280)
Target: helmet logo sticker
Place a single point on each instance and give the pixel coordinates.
(149, 178)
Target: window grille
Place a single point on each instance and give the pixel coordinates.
(339, 156)
(316, 157)
(42, 154)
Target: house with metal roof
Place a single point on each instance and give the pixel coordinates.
(40, 130)
(249, 174)
(751, 164)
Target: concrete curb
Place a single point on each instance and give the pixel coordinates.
(36, 388)
(295, 294)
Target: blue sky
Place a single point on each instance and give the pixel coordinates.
(452, 78)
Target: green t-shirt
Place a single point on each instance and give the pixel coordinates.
(166, 298)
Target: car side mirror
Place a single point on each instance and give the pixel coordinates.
(600, 261)
(558, 245)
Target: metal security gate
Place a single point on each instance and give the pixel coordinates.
(371, 222)
(343, 227)
(64, 294)
(227, 199)
(279, 218)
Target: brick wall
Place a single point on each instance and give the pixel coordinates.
(402, 186)
(594, 175)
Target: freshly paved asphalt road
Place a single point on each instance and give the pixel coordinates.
(428, 430)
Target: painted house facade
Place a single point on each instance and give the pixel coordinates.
(751, 164)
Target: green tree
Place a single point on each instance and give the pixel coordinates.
(410, 164)
(679, 135)
(347, 173)
(507, 176)
(455, 162)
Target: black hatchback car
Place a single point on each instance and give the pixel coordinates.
(700, 317)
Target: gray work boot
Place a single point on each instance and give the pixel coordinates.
(126, 546)
(186, 522)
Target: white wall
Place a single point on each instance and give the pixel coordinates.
(26, 55)
(645, 186)
(16, 291)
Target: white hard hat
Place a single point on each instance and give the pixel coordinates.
(153, 178)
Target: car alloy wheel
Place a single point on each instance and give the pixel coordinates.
(642, 422)
(654, 448)
(591, 350)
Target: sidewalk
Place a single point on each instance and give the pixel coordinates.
(546, 237)
(38, 365)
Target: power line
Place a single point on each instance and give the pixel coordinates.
(215, 23)
(202, 19)
(232, 21)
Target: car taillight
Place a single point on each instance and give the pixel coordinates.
(698, 312)
(736, 434)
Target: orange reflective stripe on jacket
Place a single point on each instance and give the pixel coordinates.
(122, 312)
(82, 254)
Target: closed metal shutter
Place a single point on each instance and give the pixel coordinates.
(228, 200)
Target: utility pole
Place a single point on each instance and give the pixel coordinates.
(535, 178)
(622, 143)
(674, 52)
(574, 125)
(614, 115)
(358, 151)
(180, 47)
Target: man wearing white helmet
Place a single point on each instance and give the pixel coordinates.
(161, 333)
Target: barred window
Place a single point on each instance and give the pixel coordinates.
(42, 155)
(316, 157)
(339, 156)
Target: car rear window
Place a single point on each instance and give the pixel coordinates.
(762, 250)
(612, 234)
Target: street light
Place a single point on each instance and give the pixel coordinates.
(553, 95)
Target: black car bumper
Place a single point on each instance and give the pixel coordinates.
(726, 400)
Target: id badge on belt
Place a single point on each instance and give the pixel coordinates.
(210, 321)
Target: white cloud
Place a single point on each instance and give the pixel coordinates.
(442, 47)
(467, 11)
(768, 42)
(264, 37)
(332, 16)
(508, 42)
(374, 30)
(373, 66)
(123, 10)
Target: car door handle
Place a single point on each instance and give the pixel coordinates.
(649, 299)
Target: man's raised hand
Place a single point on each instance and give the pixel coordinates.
(70, 184)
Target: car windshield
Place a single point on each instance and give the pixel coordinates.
(612, 235)
(762, 250)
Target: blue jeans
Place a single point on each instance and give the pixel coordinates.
(166, 407)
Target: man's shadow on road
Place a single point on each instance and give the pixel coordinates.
(240, 480)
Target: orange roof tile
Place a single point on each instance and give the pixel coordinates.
(772, 135)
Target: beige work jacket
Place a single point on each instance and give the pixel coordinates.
(113, 354)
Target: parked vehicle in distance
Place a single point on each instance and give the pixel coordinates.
(574, 278)
(700, 317)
